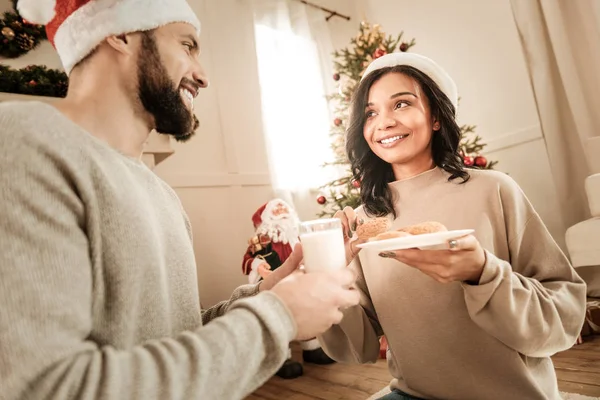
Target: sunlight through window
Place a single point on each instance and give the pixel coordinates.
(295, 110)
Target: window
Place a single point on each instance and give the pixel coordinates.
(296, 116)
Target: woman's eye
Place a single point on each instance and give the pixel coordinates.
(402, 104)
(369, 114)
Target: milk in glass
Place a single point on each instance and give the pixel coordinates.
(323, 244)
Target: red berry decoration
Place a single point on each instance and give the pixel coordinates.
(378, 53)
(337, 122)
(321, 200)
(469, 161)
(356, 183)
(480, 161)
(336, 77)
(32, 83)
(404, 47)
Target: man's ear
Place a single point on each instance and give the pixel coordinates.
(121, 43)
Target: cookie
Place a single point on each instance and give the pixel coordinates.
(389, 235)
(372, 228)
(424, 227)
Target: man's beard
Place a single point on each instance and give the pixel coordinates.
(161, 97)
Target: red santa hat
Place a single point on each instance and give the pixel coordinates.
(76, 27)
(423, 64)
(257, 216)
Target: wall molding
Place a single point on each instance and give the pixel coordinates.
(513, 139)
(216, 180)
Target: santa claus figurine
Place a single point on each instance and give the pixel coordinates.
(276, 233)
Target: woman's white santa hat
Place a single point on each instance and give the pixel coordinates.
(76, 27)
(423, 64)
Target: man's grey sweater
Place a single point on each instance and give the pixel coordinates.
(98, 283)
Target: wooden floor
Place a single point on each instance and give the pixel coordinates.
(578, 371)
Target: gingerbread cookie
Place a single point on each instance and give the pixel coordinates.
(372, 228)
(389, 235)
(424, 227)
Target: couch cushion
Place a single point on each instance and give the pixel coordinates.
(592, 188)
(583, 242)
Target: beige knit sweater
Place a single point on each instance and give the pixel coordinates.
(98, 286)
(456, 341)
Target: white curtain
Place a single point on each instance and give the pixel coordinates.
(561, 44)
(293, 47)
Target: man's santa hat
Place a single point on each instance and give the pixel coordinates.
(283, 228)
(76, 27)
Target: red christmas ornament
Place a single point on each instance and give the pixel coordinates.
(480, 161)
(336, 77)
(337, 122)
(356, 183)
(321, 200)
(378, 53)
(32, 83)
(404, 47)
(469, 161)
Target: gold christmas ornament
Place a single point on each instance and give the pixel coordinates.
(8, 33)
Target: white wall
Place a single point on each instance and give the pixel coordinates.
(477, 43)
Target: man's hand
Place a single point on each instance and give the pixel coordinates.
(290, 265)
(316, 299)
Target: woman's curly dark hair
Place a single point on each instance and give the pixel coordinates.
(372, 172)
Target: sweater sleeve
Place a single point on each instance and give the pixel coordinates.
(47, 345)
(222, 307)
(533, 302)
(356, 338)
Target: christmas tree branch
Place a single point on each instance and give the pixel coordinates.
(35, 80)
(17, 36)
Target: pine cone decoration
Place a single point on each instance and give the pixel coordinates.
(25, 41)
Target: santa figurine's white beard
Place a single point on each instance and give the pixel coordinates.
(281, 229)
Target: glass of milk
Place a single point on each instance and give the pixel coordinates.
(323, 244)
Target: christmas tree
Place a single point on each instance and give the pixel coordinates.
(350, 63)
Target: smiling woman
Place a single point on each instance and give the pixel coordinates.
(483, 313)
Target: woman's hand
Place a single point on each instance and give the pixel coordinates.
(349, 223)
(463, 261)
(264, 270)
(288, 267)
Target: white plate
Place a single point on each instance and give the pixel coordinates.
(425, 241)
